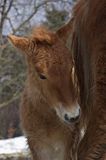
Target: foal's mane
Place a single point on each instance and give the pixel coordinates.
(43, 34)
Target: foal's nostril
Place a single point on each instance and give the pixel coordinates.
(74, 119)
(71, 119)
(66, 117)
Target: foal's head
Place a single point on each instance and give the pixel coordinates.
(50, 69)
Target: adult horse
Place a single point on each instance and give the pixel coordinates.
(88, 29)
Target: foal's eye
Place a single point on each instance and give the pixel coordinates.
(42, 76)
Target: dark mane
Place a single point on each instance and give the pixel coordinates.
(89, 50)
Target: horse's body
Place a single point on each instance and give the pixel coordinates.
(89, 50)
(49, 90)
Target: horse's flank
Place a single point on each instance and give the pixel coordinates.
(89, 49)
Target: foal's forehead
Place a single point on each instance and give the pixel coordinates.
(56, 53)
(53, 57)
(51, 63)
(49, 47)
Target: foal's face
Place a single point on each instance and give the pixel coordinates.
(50, 66)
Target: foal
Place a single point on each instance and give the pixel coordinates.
(49, 106)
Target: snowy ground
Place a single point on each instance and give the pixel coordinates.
(14, 146)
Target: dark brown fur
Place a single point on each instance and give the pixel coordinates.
(89, 51)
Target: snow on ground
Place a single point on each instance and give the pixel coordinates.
(16, 146)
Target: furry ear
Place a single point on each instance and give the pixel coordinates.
(20, 42)
(65, 31)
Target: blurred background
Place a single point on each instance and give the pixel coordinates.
(18, 17)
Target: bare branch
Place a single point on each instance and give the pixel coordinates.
(9, 101)
(11, 25)
(36, 8)
(2, 13)
(17, 10)
(9, 7)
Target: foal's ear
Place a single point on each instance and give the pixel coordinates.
(65, 31)
(21, 43)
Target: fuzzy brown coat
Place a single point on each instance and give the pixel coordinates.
(49, 83)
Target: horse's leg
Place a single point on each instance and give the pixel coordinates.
(93, 145)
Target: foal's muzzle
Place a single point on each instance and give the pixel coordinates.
(69, 114)
(70, 119)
